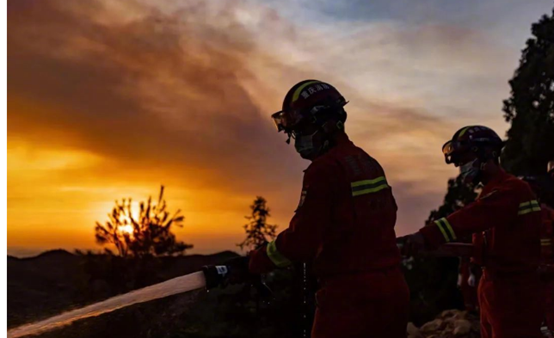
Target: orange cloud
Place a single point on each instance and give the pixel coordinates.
(110, 99)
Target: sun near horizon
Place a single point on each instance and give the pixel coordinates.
(109, 100)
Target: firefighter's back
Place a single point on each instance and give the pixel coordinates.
(362, 236)
(363, 292)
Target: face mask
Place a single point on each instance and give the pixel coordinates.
(304, 145)
(310, 146)
(469, 172)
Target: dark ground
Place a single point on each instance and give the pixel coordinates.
(57, 281)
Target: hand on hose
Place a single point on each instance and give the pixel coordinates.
(240, 274)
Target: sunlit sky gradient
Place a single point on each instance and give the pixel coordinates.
(110, 99)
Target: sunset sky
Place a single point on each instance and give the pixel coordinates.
(109, 99)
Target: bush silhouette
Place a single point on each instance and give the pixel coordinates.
(147, 235)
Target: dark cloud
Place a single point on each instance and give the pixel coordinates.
(157, 90)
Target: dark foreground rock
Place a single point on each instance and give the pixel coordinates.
(449, 324)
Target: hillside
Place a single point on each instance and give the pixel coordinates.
(55, 281)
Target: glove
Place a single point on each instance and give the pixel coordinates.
(233, 271)
(413, 244)
(237, 270)
(239, 274)
(471, 280)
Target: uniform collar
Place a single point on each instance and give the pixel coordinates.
(342, 139)
(500, 177)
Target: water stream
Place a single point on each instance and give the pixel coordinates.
(170, 287)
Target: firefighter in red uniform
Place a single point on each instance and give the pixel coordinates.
(344, 223)
(507, 217)
(547, 250)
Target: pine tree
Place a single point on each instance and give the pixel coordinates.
(258, 230)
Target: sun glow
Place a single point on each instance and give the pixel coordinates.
(125, 229)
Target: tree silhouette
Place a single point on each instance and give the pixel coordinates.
(433, 280)
(148, 235)
(530, 108)
(457, 196)
(257, 230)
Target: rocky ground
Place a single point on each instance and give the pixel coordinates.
(449, 324)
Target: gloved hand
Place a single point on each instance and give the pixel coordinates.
(413, 244)
(471, 280)
(238, 270)
(239, 273)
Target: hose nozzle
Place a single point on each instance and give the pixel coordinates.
(235, 271)
(215, 275)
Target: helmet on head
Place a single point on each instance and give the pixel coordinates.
(311, 101)
(312, 113)
(482, 141)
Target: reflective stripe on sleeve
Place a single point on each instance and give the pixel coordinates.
(529, 206)
(276, 257)
(368, 186)
(446, 229)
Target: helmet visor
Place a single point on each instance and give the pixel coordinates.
(285, 120)
(451, 150)
(279, 120)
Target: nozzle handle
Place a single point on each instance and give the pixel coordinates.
(215, 275)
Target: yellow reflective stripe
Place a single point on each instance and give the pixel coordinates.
(439, 225)
(299, 90)
(449, 227)
(276, 257)
(524, 205)
(364, 182)
(368, 186)
(524, 212)
(446, 229)
(463, 131)
(529, 206)
(370, 190)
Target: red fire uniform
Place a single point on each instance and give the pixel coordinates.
(547, 250)
(345, 225)
(510, 292)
